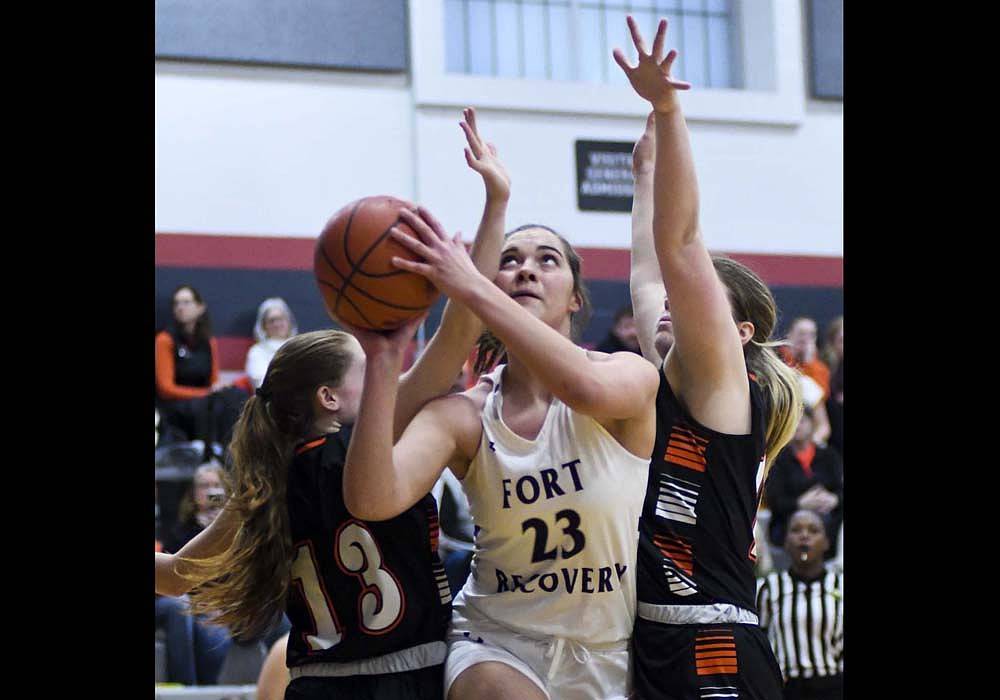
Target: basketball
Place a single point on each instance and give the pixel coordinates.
(354, 271)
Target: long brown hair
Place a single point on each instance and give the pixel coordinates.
(249, 597)
(202, 327)
(752, 301)
(490, 350)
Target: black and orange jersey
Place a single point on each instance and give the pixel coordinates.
(696, 544)
(359, 589)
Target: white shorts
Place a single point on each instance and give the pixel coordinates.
(563, 669)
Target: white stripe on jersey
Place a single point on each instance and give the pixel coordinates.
(676, 502)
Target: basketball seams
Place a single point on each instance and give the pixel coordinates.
(349, 285)
(347, 257)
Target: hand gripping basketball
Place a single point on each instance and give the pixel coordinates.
(445, 261)
(358, 282)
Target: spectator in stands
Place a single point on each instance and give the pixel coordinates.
(802, 353)
(833, 355)
(275, 324)
(622, 335)
(802, 609)
(198, 507)
(804, 475)
(812, 397)
(195, 647)
(198, 647)
(193, 403)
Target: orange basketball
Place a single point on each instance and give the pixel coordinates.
(354, 270)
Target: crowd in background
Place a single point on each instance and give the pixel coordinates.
(800, 521)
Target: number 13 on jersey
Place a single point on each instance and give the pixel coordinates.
(380, 602)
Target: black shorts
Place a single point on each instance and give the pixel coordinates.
(421, 684)
(696, 662)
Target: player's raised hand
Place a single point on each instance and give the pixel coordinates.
(650, 77)
(482, 157)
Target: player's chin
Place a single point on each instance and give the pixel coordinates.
(663, 341)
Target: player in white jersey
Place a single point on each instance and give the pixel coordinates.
(553, 450)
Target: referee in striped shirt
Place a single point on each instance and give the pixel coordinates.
(802, 610)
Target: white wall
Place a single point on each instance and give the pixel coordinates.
(275, 151)
(269, 151)
(763, 189)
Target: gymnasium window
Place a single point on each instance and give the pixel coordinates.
(572, 40)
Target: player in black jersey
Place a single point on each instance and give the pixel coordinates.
(726, 406)
(368, 601)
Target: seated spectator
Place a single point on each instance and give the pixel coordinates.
(812, 397)
(195, 647)
(802, 353)
(804, 475)
(622, 335)
(802, 610)
(835, 408)
(275, 324)
(193, 403)
(833, 355)
(198, 507)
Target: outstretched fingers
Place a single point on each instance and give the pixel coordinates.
(620, 59)
(640, 44)
(658, 40)
(472, 132)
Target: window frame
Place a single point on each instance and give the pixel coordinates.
(770, 37)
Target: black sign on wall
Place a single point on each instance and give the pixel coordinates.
(604, 175)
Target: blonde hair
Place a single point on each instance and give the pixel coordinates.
(752, 301)
(249, 596)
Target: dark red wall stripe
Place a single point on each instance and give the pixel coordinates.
(281, 253)
(254, 252)
(233, 352)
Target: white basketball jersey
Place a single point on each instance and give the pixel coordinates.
(557, 523)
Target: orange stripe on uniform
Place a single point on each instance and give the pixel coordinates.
(715, 654)
(677, 550)
(717, 670)
(721, 654)
(686, 449)
(680, 460)
(310, 445)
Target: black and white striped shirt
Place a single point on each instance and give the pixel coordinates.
(804, 620)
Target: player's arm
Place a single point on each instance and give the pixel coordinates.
(618, 386)
(435, 369)
(707, 355)
(214, 539)
(645, 282)
(380, 480)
